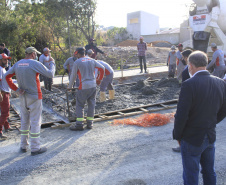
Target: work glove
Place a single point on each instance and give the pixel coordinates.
(66, 71)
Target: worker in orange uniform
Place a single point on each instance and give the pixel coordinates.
(84, 67)
(4, 96)
(107, 80)
(217, 62)
(27, 73)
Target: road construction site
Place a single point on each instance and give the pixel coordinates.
(107, 154)
(115, 152)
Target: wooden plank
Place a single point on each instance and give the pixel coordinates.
(18, 128)
(14, 118)
(14, 108)
(121, 113)
(102, 116)
(55, 126)
(164, 105)
(52, 122)
(133, 113)
(144, 106)
(144, 110)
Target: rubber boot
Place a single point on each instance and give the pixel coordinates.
(102, 96)
(111, 94)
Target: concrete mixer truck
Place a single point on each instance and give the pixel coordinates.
(208, 21)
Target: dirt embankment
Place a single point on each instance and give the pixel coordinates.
(154, 55)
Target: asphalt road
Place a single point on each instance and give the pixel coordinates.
(105, 155)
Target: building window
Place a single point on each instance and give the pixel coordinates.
(134, 21)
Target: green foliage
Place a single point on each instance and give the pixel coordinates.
(117, 35)
(58, 24)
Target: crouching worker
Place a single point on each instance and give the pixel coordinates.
(107, 80)
(27, 73)
(84, 67)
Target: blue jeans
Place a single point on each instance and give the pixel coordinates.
(192, 156)
(142, 58)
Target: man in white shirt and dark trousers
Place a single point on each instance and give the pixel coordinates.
(45, 59)
(171, 62)
(141, 48)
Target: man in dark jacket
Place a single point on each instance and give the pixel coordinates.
(185, 76)
(201, 105)
(185, 73)
(94, 48)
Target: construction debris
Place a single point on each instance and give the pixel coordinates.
(128, 55)
(167, 82)
(148, 90)
(140, 84)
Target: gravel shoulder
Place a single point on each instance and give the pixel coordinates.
(104, 155)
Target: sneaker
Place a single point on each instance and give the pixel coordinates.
(177, 149)
(141, 71)
(2, 136)
(23, 150)
(146, 72)
(76, 127)
(40, 151)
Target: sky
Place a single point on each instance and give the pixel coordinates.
(114, 12)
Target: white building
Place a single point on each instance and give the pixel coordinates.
(142, 23)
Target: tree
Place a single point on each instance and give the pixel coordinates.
(117, 34)
(57, 24)
(82, 17)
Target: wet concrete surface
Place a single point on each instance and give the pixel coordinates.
(109, 155)
(141, 93)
